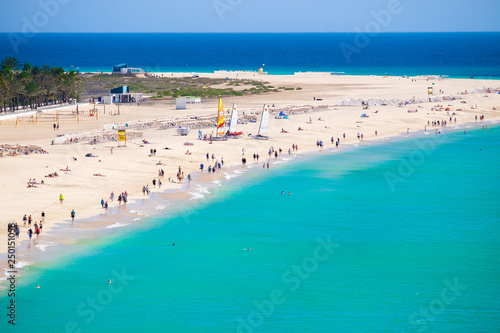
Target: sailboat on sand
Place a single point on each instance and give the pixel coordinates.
(221, 123)
(264, 124)
(234, 123)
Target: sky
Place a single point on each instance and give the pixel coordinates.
(249, 15)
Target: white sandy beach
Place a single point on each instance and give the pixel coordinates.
(130, 168)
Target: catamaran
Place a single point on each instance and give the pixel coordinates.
(264, 124)
(234, 123)
(221, 123)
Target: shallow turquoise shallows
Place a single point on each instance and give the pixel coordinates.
(393, 237)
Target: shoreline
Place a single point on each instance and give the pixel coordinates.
(298, 73)
(136, 214)
(130, 168)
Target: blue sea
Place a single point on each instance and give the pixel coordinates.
(396, 236)
(453, 54)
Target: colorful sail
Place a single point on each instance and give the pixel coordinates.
(220, 119)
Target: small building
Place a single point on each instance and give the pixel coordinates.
(181, 102)
(118, 68)
(107, 99)
(124, 69)
(122, 95)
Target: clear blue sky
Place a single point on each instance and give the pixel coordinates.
(249, 15)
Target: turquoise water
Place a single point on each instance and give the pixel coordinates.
(411, 231)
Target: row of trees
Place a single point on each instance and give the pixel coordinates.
(27, 86)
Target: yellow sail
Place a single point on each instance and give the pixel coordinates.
(220, 119)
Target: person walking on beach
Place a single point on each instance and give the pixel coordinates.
(29, 220)
(112, 196)
(61, 198)
(102, 203)
(106, 206)
(30, 233)
(73, 215)
(25, 220)
(43, 216)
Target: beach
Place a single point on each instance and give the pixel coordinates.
(85, 181)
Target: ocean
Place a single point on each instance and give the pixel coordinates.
(394, 236)
(453, 54)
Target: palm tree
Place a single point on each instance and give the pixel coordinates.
(3, 92)
(16, 89)
(32, 89)
(35, 85)
(9, 65)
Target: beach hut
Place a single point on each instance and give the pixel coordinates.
(182, 102)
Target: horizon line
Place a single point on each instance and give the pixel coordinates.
(242, 32)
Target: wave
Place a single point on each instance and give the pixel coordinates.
(138, 212)
(116, 225)
(21, 264)
(42, 247)
(195, 195)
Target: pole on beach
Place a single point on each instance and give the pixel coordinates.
(77, 118)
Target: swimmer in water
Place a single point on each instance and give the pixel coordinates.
(37, 286)
(289, 193)
(109, 281)
(282, 192)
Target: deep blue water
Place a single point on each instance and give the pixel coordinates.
(415, 225)
(452, 54)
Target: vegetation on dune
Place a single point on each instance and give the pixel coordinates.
(22, 85)
(172, 87)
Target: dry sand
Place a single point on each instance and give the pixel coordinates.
(130, 168)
